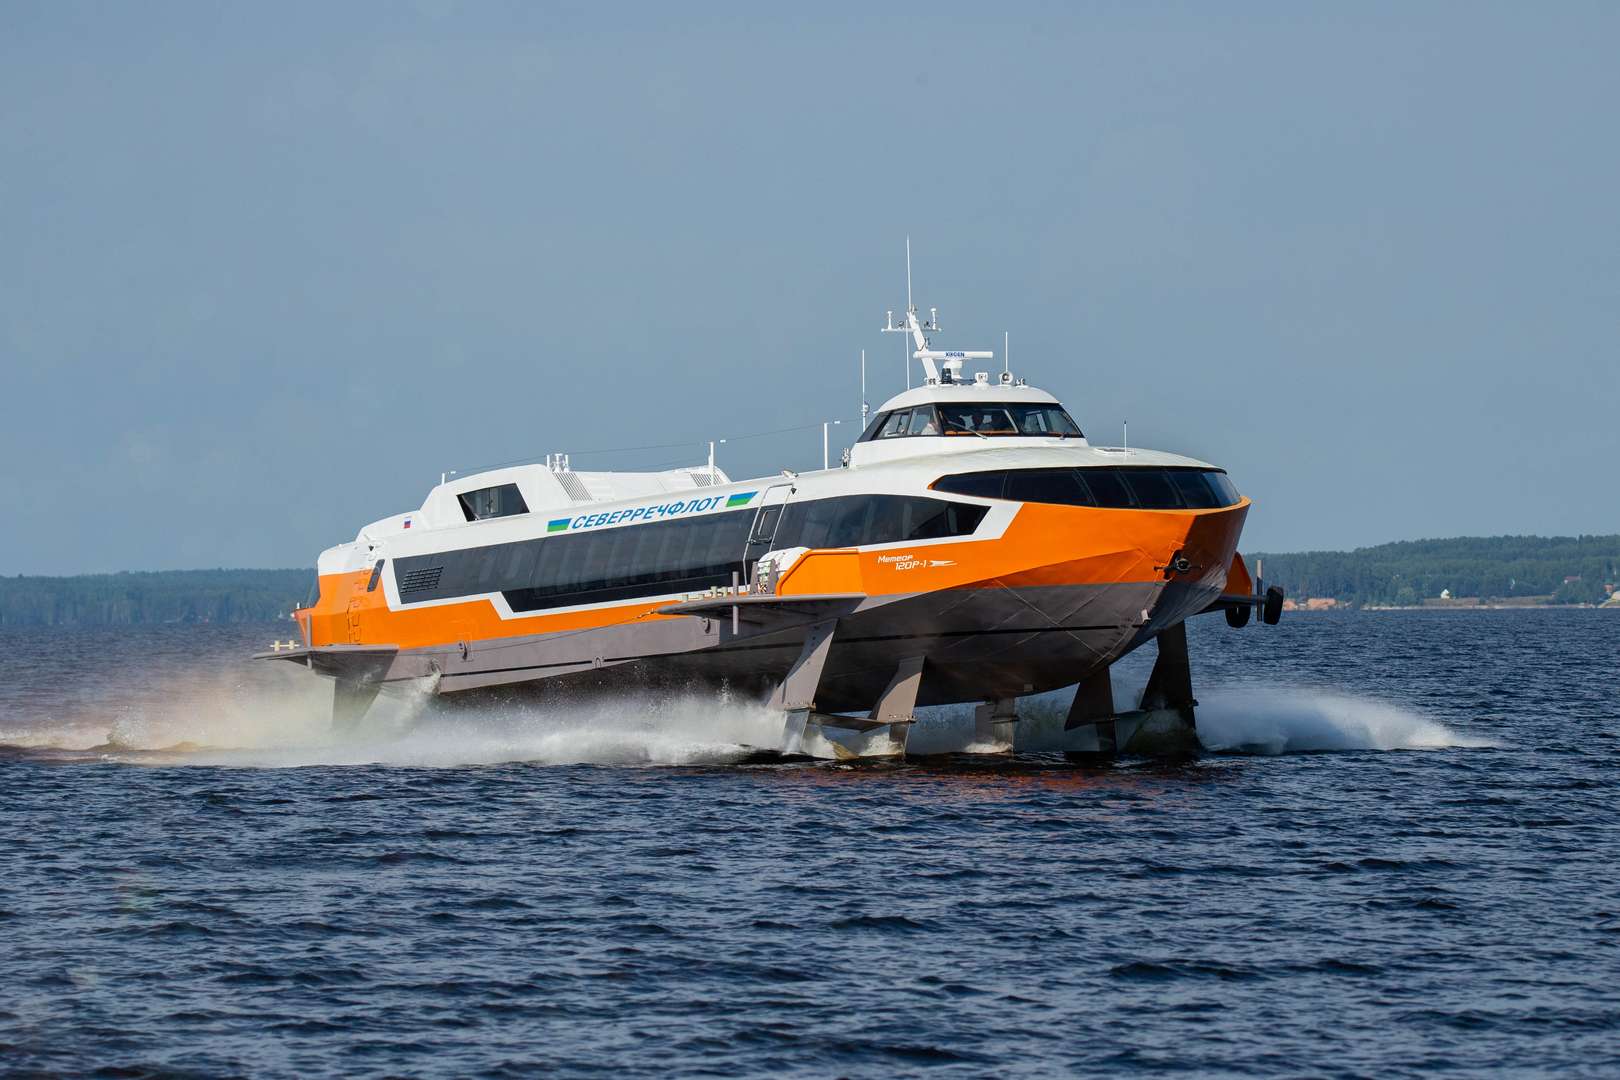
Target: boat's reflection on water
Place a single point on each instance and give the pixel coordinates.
(962, 776)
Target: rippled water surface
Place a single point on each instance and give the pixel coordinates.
(1397, 857)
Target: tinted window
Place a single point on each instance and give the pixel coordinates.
(1224, 488)
(1194, 489)
(1107, 488)
(624, 563)
(874, 427)
(1153, 489)
(925, 519)
(492, 502)
(848, 527)
(859, 520)
(765, 527)
(1113, 487)
(1047, 486)
(983, 485)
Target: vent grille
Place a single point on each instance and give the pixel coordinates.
(574, 487)
(701, 479)
(418, 580)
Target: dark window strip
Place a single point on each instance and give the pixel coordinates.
(671, 557)
(1111, 487)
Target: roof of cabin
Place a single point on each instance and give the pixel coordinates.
(968, 391)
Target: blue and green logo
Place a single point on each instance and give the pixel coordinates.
(651, 513)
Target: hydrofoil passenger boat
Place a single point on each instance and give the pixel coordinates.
(973, 547)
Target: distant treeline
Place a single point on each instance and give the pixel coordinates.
(1403, 573)
(1489, 567)
(145, 598)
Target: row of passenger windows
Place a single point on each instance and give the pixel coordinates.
(986, 419)
(492, 502)
(663, 557)
(669, 556)
(1118, 488)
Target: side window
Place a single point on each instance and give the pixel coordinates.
(488, 569)
(805, 524)
(929, 519)
(982, 485)
(858, 520)
(376, 576)
(962, 519)
(1153, 489)
(492, 502)
(1224, 487)
(1107, 488)
(570, 566)
(547, 556)
(849, 527)
(617, 549)
(887, 520)
(1047, 486)
(896, 424)
(517, 563)
(1194, 489)
(765, 528)
(598, 557)
(874, 427)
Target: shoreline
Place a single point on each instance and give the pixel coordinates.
(1460, 607)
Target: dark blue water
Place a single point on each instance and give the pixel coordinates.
(1403, 862)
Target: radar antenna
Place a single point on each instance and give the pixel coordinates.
(919, 330)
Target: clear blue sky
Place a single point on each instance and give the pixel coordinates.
(266, 270)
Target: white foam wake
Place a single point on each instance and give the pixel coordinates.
(1231, 719)
(630, 729)
(1294, 720)
(282, 718)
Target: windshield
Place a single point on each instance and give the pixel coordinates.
(1003, 420)
(1043, 420)
(983, 419)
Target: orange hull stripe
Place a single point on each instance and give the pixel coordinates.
(1044, 545)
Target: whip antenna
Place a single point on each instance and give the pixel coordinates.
(953, 360)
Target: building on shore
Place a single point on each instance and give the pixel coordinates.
(1313, 603)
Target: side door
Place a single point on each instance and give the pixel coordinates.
(762, 536)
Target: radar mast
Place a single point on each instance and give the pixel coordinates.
(930, 358)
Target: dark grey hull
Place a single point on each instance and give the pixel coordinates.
(977, 644)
